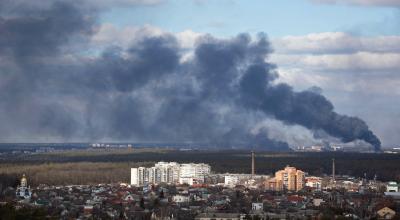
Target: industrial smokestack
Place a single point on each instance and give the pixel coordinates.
(252, 164)
(333, 170)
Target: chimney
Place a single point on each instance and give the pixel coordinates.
(252, 164)
(333, 170)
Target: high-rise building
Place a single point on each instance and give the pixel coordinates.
(166, 172)
(192, 173)
(289, 179)
(138, 176)
(170, 172)
(134, 176)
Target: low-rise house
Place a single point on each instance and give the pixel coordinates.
(257, 206)
(392, 187)
(129, 198)
(317, 202)
(181, 199)
(314, 182)
(386, 213)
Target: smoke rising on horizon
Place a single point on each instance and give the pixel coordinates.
(52, 84)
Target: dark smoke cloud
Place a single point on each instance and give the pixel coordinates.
(52, 85)
(305, 108)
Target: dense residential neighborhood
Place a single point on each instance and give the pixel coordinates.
(218, 196)
(157, 109)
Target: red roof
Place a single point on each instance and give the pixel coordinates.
(294, 199)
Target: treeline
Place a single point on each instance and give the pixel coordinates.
(106, 167)
(69, 173)
(7, 180)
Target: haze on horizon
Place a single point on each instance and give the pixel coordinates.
(255, 73)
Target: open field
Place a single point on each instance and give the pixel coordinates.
(106, 166)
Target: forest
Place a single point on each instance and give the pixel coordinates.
(111, 166)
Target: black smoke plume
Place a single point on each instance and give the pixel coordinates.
(52, 84)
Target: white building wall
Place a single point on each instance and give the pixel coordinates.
(231, 180)
(134, 177)
(315, 185)
(187, 180)
(141, 176)
(392, 187)
(257, 206)
(314, 182)
(167, 172)
(180, 198)
(170, 172)
(195, 171)
(152, 175)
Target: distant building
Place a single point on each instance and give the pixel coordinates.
(135, 176)
(257, 206)
(163, 172)
(314, 182)
(289, 179)
(171, 173)
(270, 184)
(181, 198)
(23, 191)
(231, 180)
(193, 173)
(314, 148)
(392, 187)
(386, 213)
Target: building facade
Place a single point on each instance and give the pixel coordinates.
(231, 180)
(171, 173)
(290, 179)
(392, 187)
(23, 191)
(314, 182)
(193, 173)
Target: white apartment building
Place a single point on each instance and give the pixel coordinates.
(164, 172)
(170, 172)
(392, 187)
(134, 176)
(138, 176)
(231, 180)
(192, 173)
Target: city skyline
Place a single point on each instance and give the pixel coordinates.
(199, 109)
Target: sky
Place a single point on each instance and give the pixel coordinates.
(347, 51)
(226, 18)
(372, 93)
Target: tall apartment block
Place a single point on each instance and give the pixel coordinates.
(170, 172)
(289, 178)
